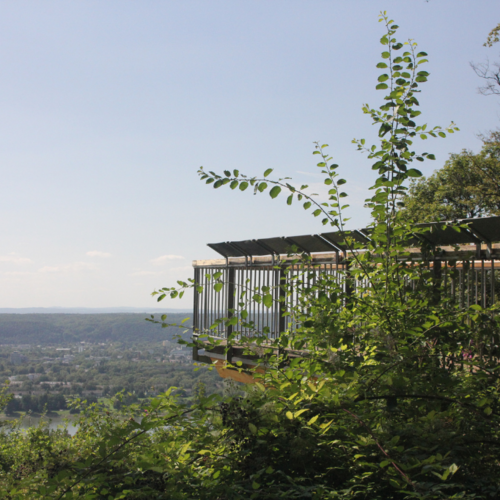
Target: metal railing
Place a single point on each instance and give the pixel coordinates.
(466, 282)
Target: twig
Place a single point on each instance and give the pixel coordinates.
(405, 477)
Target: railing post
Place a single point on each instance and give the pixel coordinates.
(492, 301)
(282, 299)
(230, 306)
(436, 281)
(196, 297)
(349, 288)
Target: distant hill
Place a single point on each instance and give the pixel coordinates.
(50, 329)
(87, 310)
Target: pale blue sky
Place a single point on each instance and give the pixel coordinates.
(108, 108)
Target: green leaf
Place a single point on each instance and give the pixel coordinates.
(234, 184)
(275, 191)
(267, 172)
(289, 200)
(382, 86)
(252, 428)
(312, 420)
(289, 415)
(386, 55)
(267, 300)
(262, 186)
(383, 78)
(243, 185)
(307, 205)
(413, 172)
(382, 65)
(299, 413)
(341, 181)
(218, 287)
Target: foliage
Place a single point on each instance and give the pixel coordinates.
(468, 185)
(394, 396)
(493, 36)
(38, 403)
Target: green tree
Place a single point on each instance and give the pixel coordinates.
(468, 185)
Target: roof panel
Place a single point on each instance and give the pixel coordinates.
(251, 247)
(224, 249)
(277, 245)
(488, 227)
(442, 234)
(311, 244)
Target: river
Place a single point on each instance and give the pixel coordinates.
(54, 423)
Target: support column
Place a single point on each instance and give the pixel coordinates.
(196, 323)
(230, 274)
(436, 281)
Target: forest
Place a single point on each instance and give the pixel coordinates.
(47, 329)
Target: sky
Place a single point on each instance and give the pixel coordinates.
(108, 109)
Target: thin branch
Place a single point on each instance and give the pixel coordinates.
(405, 477)
(491, 76)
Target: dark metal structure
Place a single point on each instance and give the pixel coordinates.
(471, 252)
(479, 231)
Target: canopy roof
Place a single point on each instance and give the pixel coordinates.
(479, 230)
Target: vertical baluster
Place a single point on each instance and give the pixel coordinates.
(492, 301)
(461, 285)
(483, 283)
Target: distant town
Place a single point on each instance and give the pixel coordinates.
(47, 377)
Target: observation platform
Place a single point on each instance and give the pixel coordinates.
(471, 252)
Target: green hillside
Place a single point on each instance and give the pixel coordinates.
(70, 328)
